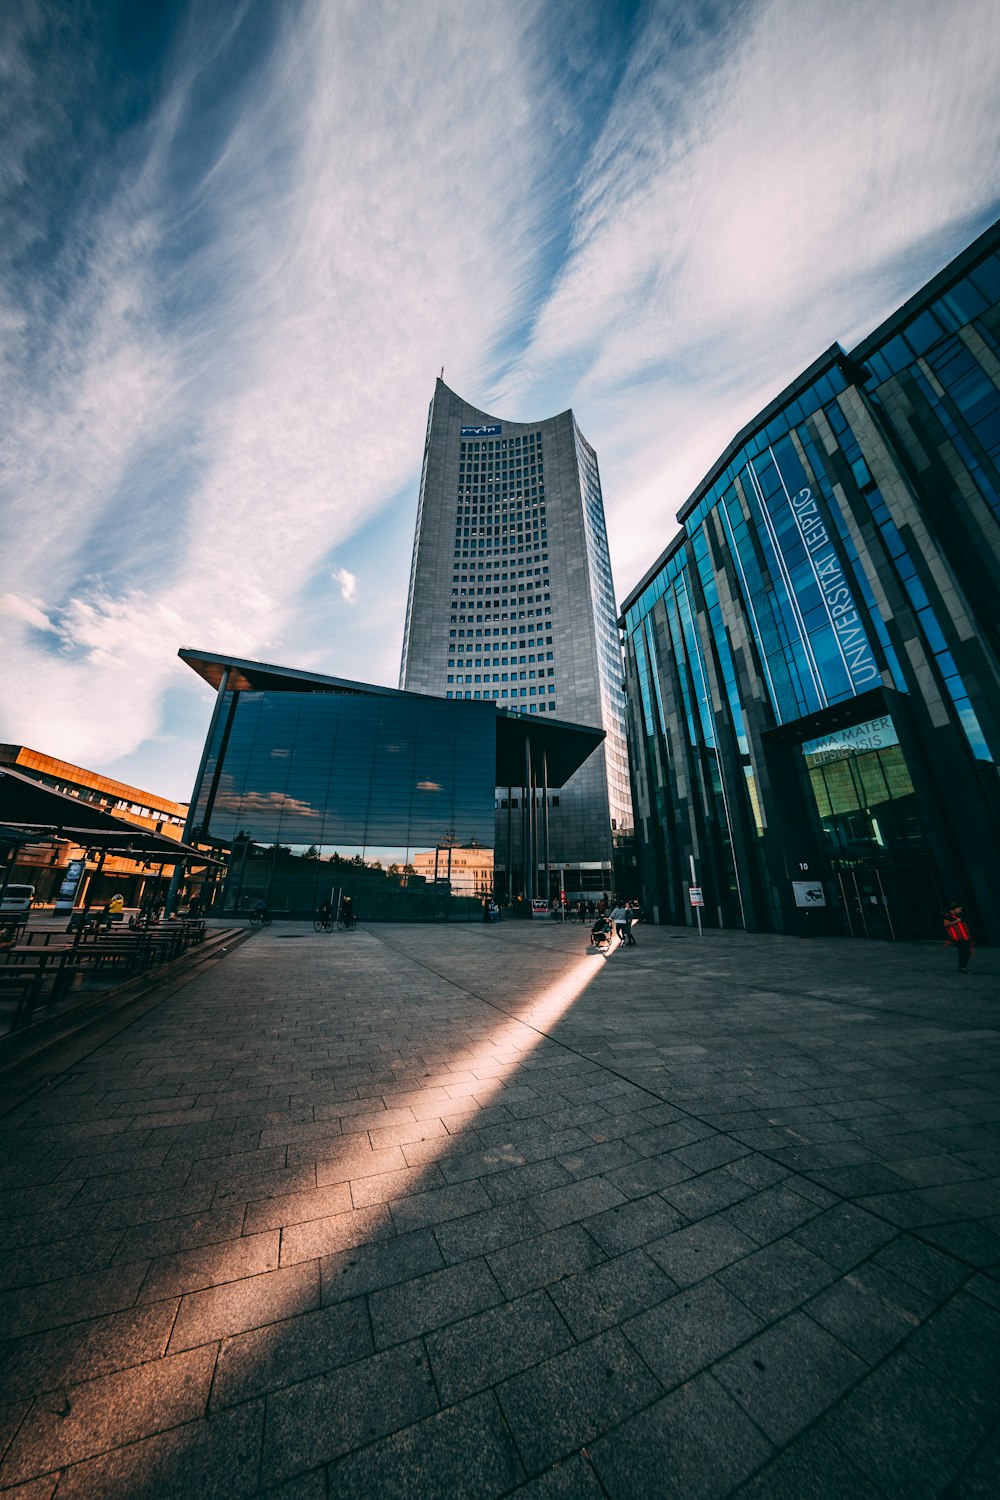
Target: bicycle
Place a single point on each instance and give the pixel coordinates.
(346, 922)
(323, 924)
(260, 919)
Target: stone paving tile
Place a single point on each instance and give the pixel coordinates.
(432, 1301)
(187, 1232)
(480, 1351)
(494, 1228)
(325, 1236)
(606, 1295)
(870, 1310)
(525, 1181)
(322, 1419)
(788, 1375)
(381, 1263)
(695, 1444)
(927, 1268)
(109, 1412)
(633, 1223)
(777, 1278)
(977, 1244)
(27, 1267)
(706, 1194)
(70, 1300)
(813, 1466)
(465, 1453)
(210, 1265)
(569, 1479)
(576, 1201)
(699, 1250)
(239, 1305)
(12, 1414)
(35, 1489)
(539, 1262)
(690, 1331)
(773, 1213)
(58, 1357)
(895, 1427)
(268, 1359)
(980, 1479)
(961, 1343)
(213, 1460)
(564, 1403)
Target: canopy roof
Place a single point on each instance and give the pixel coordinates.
(562, 746)
(31, 812)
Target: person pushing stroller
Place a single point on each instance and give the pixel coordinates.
(600, 933)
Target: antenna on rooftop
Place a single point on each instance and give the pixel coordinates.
(441, 376)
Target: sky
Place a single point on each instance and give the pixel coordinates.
(240, 241)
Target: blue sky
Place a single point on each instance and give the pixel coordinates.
(241, 239)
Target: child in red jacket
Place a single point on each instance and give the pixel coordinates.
(957, 933)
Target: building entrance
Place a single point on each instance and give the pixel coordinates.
(888, 899)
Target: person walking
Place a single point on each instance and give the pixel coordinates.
(957, 934)
(632, 916)
(619, 916)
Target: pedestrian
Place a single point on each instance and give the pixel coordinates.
(957, 934)
(632, 915)
(600, 932)
(619, 916)
(583, 910)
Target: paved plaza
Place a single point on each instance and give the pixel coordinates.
(467, 1211)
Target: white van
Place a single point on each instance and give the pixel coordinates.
(17, 898)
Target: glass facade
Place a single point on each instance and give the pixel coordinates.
(839, 568)
(387, 799)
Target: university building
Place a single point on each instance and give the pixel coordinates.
(511, 602)
(813, 664)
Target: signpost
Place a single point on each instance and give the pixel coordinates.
(696, 896)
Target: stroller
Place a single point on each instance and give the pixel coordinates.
(600, 933)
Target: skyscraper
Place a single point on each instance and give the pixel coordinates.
(511, 601)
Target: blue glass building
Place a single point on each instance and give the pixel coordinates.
(314, 786)
(813, 664)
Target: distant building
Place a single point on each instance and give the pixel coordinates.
(44, 865)
(511, 602)
(468, 870)
(316, 787)
(813, 664)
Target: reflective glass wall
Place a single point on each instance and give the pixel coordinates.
(387, 799)
(839, 567)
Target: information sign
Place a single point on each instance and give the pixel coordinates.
(697, 897)
(808, 893)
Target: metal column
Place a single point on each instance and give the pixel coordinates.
(529, 884)
(510, 847)
(545, 819)
(175, 878)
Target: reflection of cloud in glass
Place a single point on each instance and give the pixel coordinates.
(277, 754)
(264, 802)
(428, 786)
